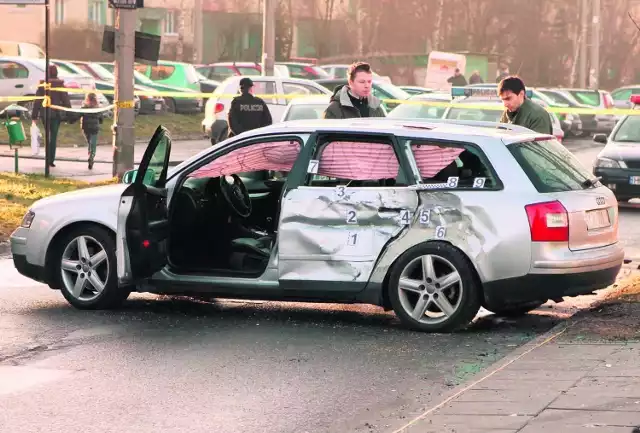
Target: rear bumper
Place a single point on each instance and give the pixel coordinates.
(541, 287)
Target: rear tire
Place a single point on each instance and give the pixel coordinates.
(83, 266)
(433, 288)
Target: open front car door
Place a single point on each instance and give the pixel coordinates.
(143, 222)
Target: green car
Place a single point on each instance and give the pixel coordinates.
(174, 104)
(178, 74)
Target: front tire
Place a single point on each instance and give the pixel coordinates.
(84, 267)
(433, 288)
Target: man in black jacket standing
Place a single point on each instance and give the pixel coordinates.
(247, 112)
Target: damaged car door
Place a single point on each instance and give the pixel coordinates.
(355, 198)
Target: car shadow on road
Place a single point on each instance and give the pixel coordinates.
(189, 313)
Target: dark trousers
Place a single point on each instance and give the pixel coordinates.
(54, 127)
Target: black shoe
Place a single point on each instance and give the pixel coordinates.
(90, 164)
(51, 164)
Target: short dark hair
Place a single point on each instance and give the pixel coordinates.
(53, 71)
(358, 67)
(513, 84)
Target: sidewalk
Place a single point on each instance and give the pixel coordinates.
(581, 376)
(72, 161)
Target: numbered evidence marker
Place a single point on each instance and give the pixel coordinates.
(405, 216)
(352, 218)
(352, 239)
(425, 216)
(441, 232)
(478, 182)
(452, 182)
(341, 191)
(313, 166)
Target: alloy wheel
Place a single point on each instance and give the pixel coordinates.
(85, 268)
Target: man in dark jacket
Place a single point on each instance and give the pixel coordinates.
(520, 110)
(355, 99)
(58, 98)
(457, 79)
(247, 112)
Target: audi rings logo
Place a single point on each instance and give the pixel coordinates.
(600, 201)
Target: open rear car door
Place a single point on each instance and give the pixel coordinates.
(143, 222)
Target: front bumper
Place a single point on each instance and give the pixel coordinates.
(18, 241)
(618, 181)
(151, 106)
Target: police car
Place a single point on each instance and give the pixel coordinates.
(618, 163)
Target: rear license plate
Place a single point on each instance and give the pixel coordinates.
(158, 107)
(634, 180)
(597, 219)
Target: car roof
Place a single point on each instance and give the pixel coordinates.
(242, 64)
(259, 78)
(431, 96)
(311, 100)
(423, 128)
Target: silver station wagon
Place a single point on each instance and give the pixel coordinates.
(432, 219)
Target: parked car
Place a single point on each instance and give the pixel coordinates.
(174, 104)
(177, 74)
(216, 112)
(380, 89)
(222, 70)
(618, 163)
(312, 107)
(415, 109)
(147, 104)
(622, 96)
(416, 90)
(594, 99)
(571, 123)
(305, 71)
(340, 71)
(21, 76)
(66, 68)
(20, 49)
(326, 211)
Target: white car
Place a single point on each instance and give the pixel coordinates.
(216, 111)
(432, 219)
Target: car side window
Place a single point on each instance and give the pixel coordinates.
(261, 88)
(13, 71)
(452, 166)
(358, 162)
(299, 89)
(143, 69)
(622, 95)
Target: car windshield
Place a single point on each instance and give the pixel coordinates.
(143, 78)
(417, 111)
(557, 98)
(305, 111)
(629, 130)
(550, 166)
(587, 97)
(193, 76)
(392, 91)
(247, 70)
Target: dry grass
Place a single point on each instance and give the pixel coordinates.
(19, 191)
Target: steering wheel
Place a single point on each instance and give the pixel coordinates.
(236, 195)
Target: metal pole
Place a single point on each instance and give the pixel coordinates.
(47, 110)
(582, 57)
(124, 115)
(595, 44)
(268, 37)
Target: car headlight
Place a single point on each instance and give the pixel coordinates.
(27, 219)
(607, 163)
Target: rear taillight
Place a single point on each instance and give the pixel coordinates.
(549, 222)
(72, 85)
(309, 70)
(219, 108)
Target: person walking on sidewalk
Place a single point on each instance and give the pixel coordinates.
(247, 112)
(59, 98)
(355, 99)
(90, 124)
(457, 79)
(522, 111)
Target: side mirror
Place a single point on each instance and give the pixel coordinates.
(600, 138)
(149, 177)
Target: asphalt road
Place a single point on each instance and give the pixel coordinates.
(175, 365)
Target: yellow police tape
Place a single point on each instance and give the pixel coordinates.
(197, 95)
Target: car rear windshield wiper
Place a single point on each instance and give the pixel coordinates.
(591, 183)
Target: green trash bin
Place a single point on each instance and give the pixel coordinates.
(13, 122)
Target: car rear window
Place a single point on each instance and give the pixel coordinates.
(587, 97)
(306, 111)
(550, 166)
(417, 111)
(474, 114)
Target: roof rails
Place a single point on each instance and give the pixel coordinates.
(474, 123)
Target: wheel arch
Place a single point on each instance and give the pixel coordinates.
(386, 302)
(60, 234)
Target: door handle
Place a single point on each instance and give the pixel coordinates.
(19, 86)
